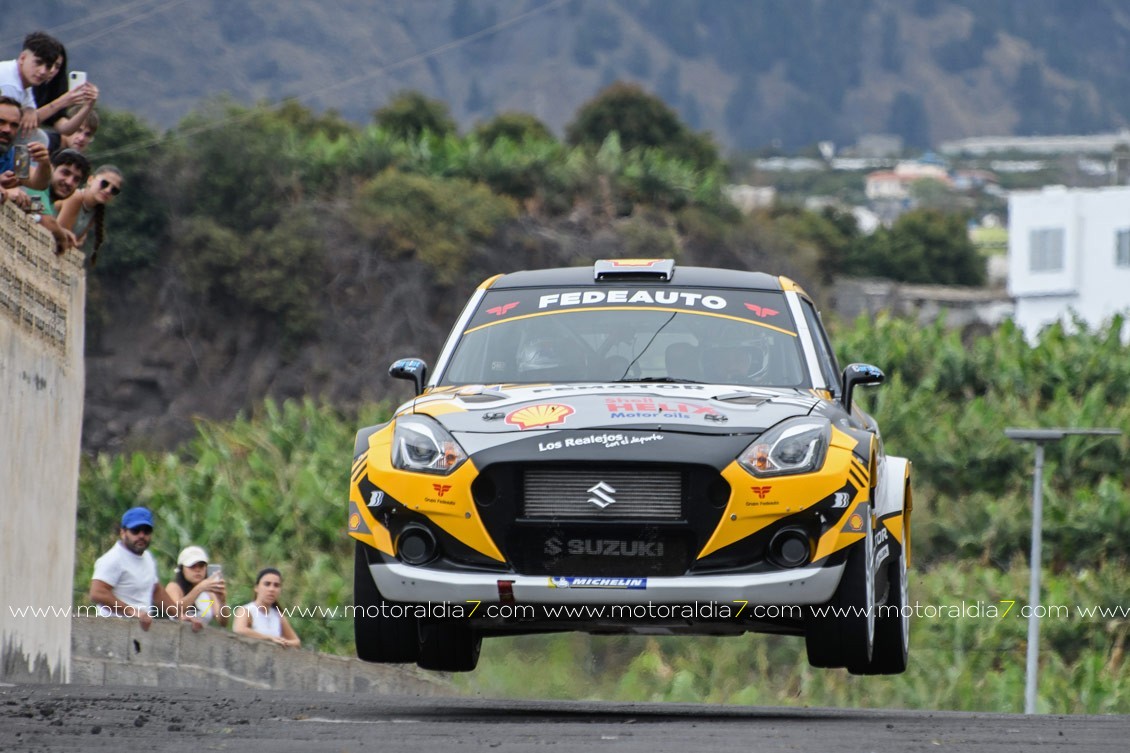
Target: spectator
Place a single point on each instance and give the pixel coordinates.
(262, 618)
(61, 108)
(125, 579)
(86, 209)
(32, 68)
(9, 181)
(82, 137)
(195, 592)
(70, 170)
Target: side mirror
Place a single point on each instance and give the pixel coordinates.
(858, 374)
(410, 368)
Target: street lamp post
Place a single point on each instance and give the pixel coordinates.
(1040, 437)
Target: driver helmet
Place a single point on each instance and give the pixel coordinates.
(540, 354)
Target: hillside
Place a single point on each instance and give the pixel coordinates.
(753, 73)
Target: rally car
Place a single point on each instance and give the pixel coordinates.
(631, 447)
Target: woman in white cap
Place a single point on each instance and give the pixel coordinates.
(197, 594)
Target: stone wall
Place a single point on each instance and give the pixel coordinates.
(42, 301)
(112, 651)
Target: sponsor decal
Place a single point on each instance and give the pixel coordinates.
(574, 582)
(354, 522)
(648, 407)
(604, 547)
(502, 309)
(841, 500)
(626, 296)
(542, 414)
(717, 418)
(441, 489)
(854, 523)
(376, 498)
(613, 386)
(599, 440)
(762, 311)
(761, 491)
(881, 535)
(601, 494)
(493, 416)
(635, 262)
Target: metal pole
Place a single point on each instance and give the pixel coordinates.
(1034, 583)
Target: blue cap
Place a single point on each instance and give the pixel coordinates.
(137, 516)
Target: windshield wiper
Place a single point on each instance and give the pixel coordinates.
(661, 379)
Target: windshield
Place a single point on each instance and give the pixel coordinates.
(637, 333)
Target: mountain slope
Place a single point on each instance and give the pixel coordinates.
(754, 73)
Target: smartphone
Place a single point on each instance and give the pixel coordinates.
(21, 161)
(78, 78)
(215, 570)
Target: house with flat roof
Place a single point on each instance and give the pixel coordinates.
(1069, 255)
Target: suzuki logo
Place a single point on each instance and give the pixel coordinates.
(602, 495)
(441, 489)
(761, 491)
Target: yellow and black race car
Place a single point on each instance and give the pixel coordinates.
(631, 447)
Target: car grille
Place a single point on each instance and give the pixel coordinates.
(602, 494)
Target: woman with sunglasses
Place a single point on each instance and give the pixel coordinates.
(85, 210)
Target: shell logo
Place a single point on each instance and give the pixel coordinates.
(354, 522)
(542, 414)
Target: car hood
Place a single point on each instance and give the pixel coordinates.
(685, 408)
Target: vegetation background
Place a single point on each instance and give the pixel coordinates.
(272, 260)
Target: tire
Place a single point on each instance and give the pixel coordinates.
(449, 646)
(380, 638)
(892, 631)
(845, 636)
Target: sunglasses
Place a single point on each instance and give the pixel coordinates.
(140, 529)
(104, 184)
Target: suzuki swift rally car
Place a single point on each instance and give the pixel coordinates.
(631, 447)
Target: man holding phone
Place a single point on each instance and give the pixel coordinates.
(38, 178)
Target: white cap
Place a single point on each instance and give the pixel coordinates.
(190, 555)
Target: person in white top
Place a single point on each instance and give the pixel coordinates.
(262, 618)
(34, 66)
(125, 582)
(198, 595)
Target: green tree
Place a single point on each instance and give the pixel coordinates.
(923, 246)
(641, 120)
(410, 113)
(514, 126)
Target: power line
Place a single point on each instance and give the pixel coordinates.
(125, 22)
(86, 20)
(372, 73)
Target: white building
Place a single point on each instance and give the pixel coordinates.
(1069, 252)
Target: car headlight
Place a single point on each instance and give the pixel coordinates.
(419, 443)
(795, 446)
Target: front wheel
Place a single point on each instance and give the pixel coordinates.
(382, 634)
(841, 633)
(892, 626)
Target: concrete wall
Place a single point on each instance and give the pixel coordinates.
(42, 302)
(112, 651)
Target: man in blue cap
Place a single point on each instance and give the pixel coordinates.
(125, 582)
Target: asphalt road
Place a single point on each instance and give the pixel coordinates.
(70, 718)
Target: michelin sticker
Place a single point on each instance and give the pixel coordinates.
(578, 582)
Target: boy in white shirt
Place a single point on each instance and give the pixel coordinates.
(125, 579)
